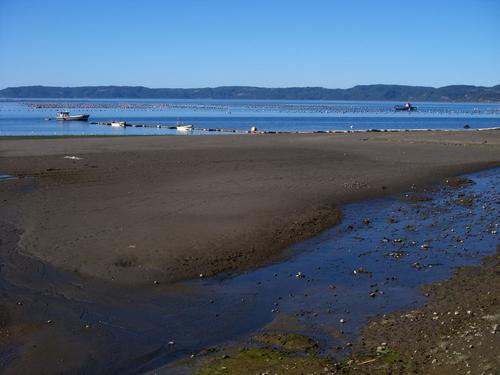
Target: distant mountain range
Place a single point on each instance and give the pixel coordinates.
(455, 93)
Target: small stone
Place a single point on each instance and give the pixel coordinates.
(50, 321)
(342, 321)
(171, 343)
(202, 276)
(156, 282)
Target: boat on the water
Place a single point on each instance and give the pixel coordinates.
(405, 107)
(184, 128)
(65, 116)
(117, 124)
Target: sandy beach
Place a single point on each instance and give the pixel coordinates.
(135, 210)
(95, 230)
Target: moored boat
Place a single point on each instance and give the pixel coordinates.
(406, 107)
(185, 127)
(65, 116)
(117, 124)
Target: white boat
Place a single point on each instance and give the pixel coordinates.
(65, 116)
(117, 124)
(185, 128)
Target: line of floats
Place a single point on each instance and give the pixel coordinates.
(312, 108)
(179, 127)
(188, 128)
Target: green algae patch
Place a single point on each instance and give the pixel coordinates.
(381, 360)
(416, 198)
(292, 342)
(251, 361)
(466, 202)
(457, 182)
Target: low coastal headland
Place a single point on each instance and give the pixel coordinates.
(144, 212)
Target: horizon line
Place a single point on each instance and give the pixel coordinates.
(259, 87)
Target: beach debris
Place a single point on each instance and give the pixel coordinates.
(342, 321)
(156, 282)
(50, 321)
(425, 246)
(72, 157)
(366, 361)
(417, 265)
(171, 343)
(397, 254)
(299, 275)
(202, 276)
(366, 221)
(361, 270)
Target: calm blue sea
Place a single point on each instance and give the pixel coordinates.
(30, 117)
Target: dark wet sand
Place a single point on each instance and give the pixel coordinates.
(137, 209)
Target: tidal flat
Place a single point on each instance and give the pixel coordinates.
(91, 298)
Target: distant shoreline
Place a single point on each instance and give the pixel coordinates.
(379, 92)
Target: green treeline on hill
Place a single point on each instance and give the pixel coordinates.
(456, 93)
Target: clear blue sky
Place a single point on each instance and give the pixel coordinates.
(189, 43)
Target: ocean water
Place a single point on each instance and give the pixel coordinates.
(35, 117)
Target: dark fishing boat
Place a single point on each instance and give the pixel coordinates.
(406, 107)
(65, 116)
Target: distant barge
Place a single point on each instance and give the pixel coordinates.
(406, 107)
(65, 116)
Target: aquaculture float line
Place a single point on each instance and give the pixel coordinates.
(255, 131)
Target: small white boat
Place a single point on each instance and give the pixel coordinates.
(65, 116)
(118, 124)
(184, 128)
